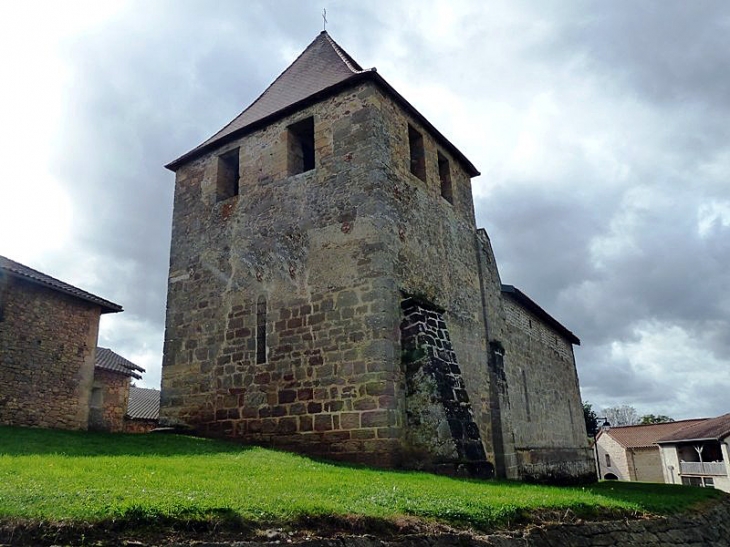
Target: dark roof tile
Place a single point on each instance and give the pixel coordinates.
(710, 429)
(106, 359)
(144, 403)
(20, 271)
(529, 304)
(321, 69)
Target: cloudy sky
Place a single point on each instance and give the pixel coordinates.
(601, 129)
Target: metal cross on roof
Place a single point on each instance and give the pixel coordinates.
(324, 18)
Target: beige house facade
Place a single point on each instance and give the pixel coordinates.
(698, 455)
(630, 453)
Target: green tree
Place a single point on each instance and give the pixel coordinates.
(591, 419)
(652, 419)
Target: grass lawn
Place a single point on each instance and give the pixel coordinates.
(92, 477)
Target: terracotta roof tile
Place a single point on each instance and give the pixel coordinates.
(713, 428)
(106, 359)
(642, 436)
(20, 271)
(144, 404)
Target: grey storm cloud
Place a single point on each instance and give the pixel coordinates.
(619, 226)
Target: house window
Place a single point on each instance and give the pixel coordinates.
(228, 175)
(445, 177)
(261, 330)
(300, 146)
(704, 482)
(608, 460)
(418, 156)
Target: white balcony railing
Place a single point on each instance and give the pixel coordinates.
(702, 468)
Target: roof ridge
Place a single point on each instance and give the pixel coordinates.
(257, 99)
(36, 276)
(346, 57)
(660, 423)
(342, 54)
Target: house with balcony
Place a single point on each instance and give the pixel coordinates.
(697, 455)
(630, 453)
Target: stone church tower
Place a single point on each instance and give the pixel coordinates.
(329, 292)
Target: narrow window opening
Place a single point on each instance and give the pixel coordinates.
(418, 156)
(527, 396)
(300, 143)
(228, 175)
(261, 330)
(445, 177)
(608, 460)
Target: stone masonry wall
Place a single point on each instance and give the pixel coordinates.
(500, 416)
(47, 344)
(545, 406)
(432, 242)
(328, 251)
(441, 433)
(114, 397)
(307, 247)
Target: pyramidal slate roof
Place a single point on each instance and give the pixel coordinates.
(644, 436)
(321, 70)
(714, 429)
(20, 271)
(144, 403)
(106, 359)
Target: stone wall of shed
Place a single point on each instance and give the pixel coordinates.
(47, 344)
(114, 387)
(138, 425)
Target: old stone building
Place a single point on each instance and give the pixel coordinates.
(48, 333)
(329, 292)
(109, 399)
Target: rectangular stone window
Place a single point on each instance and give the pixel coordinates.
(300, 146)
(261, 331)
(418, 156)
(228, 175)
(445, 178)
(608, 460)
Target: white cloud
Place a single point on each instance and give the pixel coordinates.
(712, 215)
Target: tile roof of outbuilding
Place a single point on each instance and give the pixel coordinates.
(144, 403)
(322, 69)
(710, 429)
(21, 271)
(644, 436)
(108, 360)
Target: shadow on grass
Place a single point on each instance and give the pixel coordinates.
(655, 497)
(21, 441)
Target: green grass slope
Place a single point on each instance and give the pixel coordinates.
(79, 477)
